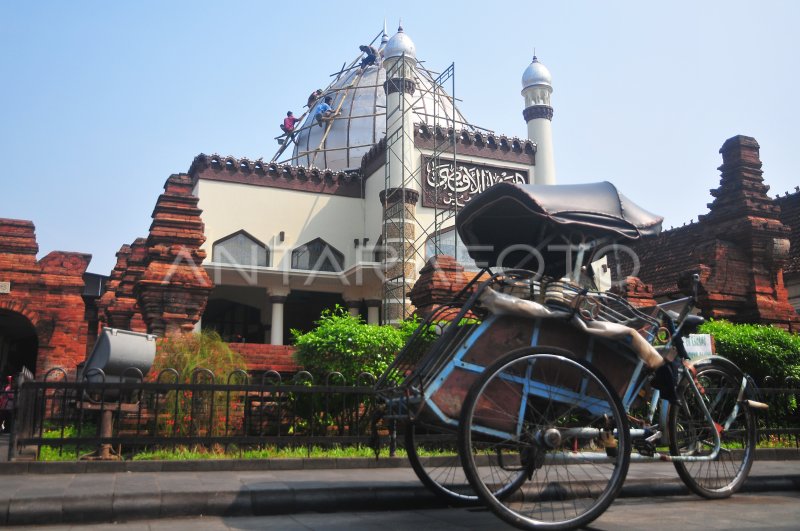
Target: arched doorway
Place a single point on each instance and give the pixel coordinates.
(19, 344)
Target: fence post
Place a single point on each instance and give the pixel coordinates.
(15, 414)
(393, 438)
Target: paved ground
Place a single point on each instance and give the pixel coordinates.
(313, 494)
(39, 499)
(775, 511)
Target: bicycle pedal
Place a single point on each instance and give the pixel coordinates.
(645, 448)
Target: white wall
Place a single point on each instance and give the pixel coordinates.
(265, 212)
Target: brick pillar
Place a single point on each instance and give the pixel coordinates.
(439, 281)
(399, 207)
(750, 245)
(109, 297)
(174, 287)
(118, 307)
(639, 294)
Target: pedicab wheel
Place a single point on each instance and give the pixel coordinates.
(566, 424)
(690, 433)
(433, 454)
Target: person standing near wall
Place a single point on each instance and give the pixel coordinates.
(7, 405)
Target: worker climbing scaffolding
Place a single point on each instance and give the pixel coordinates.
(322, 113)
(357, 113)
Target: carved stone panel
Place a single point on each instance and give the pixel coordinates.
(447, 185)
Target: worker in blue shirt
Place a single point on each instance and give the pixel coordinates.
(323, 112)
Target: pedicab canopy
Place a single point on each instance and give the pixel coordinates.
(500, 225)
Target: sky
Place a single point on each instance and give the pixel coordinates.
(102, 101)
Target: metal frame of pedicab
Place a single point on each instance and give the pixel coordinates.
(414, 395)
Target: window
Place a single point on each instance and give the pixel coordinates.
(233, 321)
(317, 255)
(240, 249)
(451, 245)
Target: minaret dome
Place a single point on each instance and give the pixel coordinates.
(399, 44)
(536, 74)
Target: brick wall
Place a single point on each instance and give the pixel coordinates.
(47, 293)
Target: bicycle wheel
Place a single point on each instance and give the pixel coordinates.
(690, 434)
(566, 424)
(439, 467)
(439, 470)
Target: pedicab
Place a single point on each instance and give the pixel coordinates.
(538, 389)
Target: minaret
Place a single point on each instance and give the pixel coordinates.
(401, 191)
(536, 88)
(400, 62)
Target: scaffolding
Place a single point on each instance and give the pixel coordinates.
(441, 116)
(339, 95)
(396, 217)
(343, 92)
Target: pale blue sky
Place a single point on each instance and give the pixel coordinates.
(104, 100)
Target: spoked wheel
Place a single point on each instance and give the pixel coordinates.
(568, 428)
(690, 433)
(433, 453)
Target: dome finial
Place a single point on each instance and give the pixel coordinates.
(400, 44)
(400, 26)
(385, 36)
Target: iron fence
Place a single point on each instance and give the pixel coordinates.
(781, 421)
(99, 419)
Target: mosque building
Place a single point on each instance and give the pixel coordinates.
(350, 211)
(361, 202)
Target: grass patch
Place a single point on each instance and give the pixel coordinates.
(267, 452)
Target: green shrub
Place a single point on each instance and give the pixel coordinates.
(758, 350)
(345, 343)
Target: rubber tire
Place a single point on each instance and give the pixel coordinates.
(443, 467)
(619, 468)
(431, 471)
(697, 475)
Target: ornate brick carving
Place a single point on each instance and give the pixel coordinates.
(636, 292)
(439, 280)
(173, 289)
(736, 248)
(118, 307)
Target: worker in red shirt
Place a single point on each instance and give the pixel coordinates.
(288, 125)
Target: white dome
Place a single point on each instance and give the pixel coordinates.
(362, 121)
(536, 74)
(399, 44)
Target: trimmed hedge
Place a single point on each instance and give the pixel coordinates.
(758, 350)
(345, 343)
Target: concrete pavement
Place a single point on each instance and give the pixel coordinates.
(37, 496)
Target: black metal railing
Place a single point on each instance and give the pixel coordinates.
(780, 423)
(102, 418)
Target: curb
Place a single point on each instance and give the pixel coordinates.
(256, 465)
